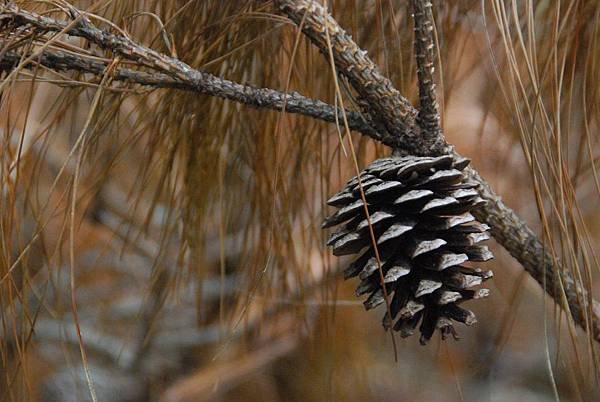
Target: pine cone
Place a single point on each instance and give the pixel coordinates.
(419, 212)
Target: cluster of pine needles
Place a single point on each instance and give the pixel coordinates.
(157, 242)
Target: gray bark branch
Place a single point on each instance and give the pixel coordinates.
(198, 82)
(387, 106)
(429, 115)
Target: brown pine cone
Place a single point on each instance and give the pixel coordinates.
(419, 210)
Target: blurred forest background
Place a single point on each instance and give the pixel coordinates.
(184, 230)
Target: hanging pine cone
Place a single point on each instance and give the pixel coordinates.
(419, 212)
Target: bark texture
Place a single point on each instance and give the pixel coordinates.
(429, 115)
(198, 82)
(387, 106)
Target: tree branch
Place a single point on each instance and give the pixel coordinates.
(525, 246)
(429, 115)
(387, 106)
(506, 227)
(202, 83)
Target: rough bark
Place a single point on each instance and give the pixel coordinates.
(387, 106)
(525, 246)
(198, 82)
(429, 115)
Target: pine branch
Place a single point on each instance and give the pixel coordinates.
(525, 246)
(506, 227)
(388, 107)
(198, 82)
(396, 119)
(429, 115)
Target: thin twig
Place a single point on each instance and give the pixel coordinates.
(221, 377)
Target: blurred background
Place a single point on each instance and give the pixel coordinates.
(166, 246)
